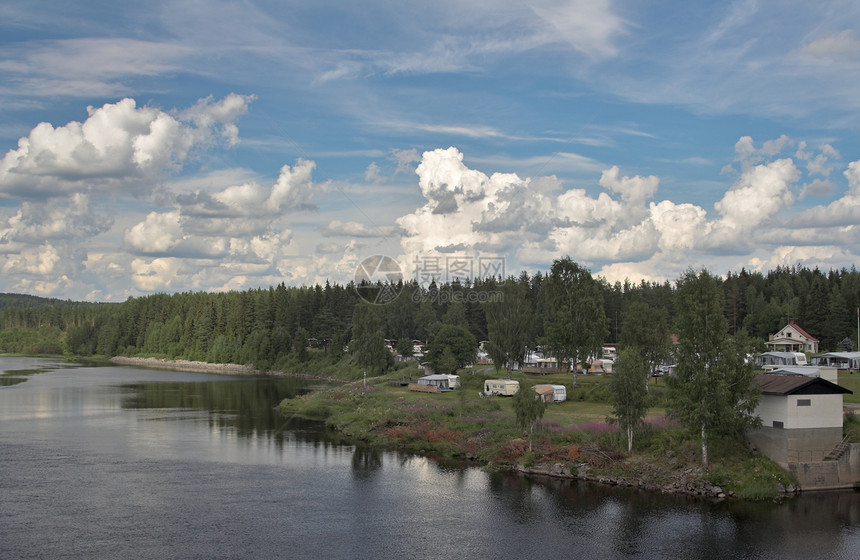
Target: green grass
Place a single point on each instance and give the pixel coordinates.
(459, 425)
(850, 381)
(750, 477)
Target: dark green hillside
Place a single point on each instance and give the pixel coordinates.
(292, 327)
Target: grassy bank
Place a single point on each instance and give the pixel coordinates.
(462, 426)
(850, 381)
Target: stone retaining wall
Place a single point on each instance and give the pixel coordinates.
(829, 475)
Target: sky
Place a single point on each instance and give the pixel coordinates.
(165, 147)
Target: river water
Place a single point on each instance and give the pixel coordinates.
(124, 462)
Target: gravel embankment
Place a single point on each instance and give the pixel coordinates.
(186, 365)
(206, 367)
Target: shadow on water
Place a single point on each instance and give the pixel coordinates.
(245, 406)
(11, 377)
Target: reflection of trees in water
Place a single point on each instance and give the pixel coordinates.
(246, 406)
(366, 461)
(11, 377)
(705, 528)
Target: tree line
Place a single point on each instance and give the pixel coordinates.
(564, 310)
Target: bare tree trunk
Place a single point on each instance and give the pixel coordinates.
(629, 439)
(704, 447)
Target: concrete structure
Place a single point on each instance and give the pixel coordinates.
(791, 338)
(801, 418)
(843, 472)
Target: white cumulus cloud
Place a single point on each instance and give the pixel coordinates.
(120, 146)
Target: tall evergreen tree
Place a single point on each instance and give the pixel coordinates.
(368, 342)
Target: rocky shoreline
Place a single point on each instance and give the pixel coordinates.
(687, 482)
(206, 367)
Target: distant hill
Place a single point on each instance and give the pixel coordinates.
(23, 301)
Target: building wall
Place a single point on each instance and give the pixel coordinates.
(829, 475)
(772, 408)
(824, 411)
(785, 446)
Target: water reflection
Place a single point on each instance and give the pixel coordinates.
(366, 461)
(11, 376)
(246, 406)
(156, 464)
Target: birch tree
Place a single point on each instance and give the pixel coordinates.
(629, 394)
(712, 391)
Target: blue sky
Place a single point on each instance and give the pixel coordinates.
(176, 146)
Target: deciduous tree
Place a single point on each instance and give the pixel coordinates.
(629, 393)
(459, 341)
(577, 323)
(509, 321)
(712, 391)
(529, 409)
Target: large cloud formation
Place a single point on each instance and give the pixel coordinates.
(623, 231)
(119, 147)
(70, 181)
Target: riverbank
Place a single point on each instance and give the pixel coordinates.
(206, 367)
(573, 441)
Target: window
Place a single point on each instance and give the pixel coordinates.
(804, 402)
(777, 424)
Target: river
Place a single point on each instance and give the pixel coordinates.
(125, 462)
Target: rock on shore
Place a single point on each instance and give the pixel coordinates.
(688, 482)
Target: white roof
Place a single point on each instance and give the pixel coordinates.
(843, 355)
(436, 377)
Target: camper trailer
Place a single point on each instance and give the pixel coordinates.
(552, 393)
(501, 387)
(559, 393)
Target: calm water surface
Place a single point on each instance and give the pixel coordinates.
(122, 462)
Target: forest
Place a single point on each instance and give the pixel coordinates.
(270, 328)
